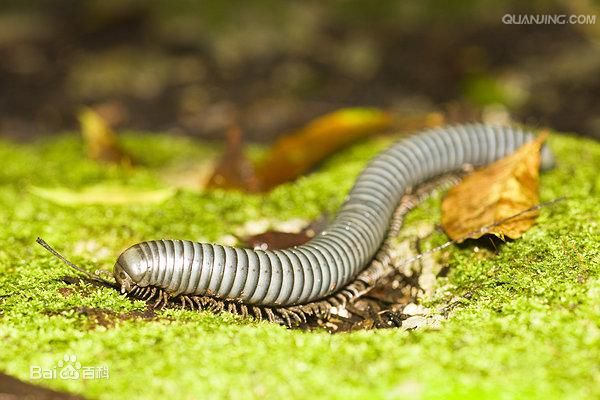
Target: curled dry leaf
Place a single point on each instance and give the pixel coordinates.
(494, 193)
(101, 142)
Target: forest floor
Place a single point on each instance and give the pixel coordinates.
(524, 321)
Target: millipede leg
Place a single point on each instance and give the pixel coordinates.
(244, 310)
(286, 317)
(270, 315)
(198, 302)
(219, 306)
(298, 316)
(257, 312)
(158, 300)
(190, 302)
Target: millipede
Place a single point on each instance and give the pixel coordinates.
(337, 265)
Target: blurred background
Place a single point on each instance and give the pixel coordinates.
(199, 67)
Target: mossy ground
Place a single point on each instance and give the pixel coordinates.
(526, 326)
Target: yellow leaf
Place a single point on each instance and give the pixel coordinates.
(102, 194)
(295, 153)
(494, 193)
(102, 143)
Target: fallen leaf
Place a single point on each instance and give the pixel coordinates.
(234, 170)
(417, 122)
(494, 193)
(101, 142)
(102, 194)
(192, 175)
(296, 153)
(274, 240)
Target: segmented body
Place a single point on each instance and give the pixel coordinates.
(335, 257)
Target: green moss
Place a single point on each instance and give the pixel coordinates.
(525, 324)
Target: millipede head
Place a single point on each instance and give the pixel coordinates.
(130, 270)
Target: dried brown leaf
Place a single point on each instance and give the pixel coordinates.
(494, 193)
(275, 239)
(417, 122)
(234, 170)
